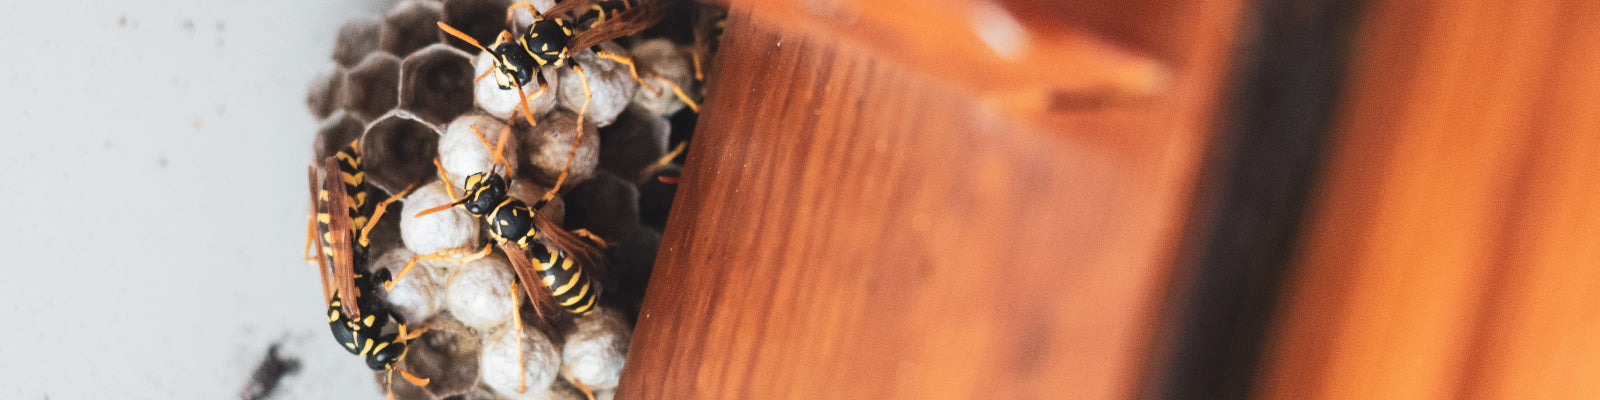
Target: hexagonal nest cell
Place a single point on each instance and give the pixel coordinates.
(427, 143)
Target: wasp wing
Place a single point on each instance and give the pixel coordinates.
(581, 251)
(339, 235)
(563, 8)
(538, 293)
(316, 235)
(630, 21)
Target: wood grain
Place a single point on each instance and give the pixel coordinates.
(851, 227)
(1452, 251)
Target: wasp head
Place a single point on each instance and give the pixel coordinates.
(484, 190)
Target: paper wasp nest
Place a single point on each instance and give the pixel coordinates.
(410, 95)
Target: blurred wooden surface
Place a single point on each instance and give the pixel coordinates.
(1452, 251)
(852, 226)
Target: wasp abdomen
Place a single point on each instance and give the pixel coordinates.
(568, 284)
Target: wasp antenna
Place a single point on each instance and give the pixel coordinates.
(438, 208)
(449, 189)
(498, 157)
(460, 35)
(500, 149)
(526, 112)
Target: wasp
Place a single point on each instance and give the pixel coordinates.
(539, 251)
(342, 218)
(552, 41)
(563, 261)
(364, 336)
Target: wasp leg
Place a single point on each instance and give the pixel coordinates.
(632, 68)
(438, 255)
(676, 151)
(415, 380)
(516, 319)
(377, 213)
(592, 238)
(577, 141)
(511, 14)
(699, 75)
(676, 90)
(311, 232)
(587, 393)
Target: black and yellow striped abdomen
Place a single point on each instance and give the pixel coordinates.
(358, 208)
(355, 186)
(571, 288)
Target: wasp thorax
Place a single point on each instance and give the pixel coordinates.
(547, 40)
(484, 191)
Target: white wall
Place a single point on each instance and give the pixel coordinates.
(154, 198)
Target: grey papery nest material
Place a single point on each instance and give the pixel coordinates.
(408, 94)
(436, 83)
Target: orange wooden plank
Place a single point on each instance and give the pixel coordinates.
(849, 226)
(1446, 245)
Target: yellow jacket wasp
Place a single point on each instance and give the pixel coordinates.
(342, 218)
(552, 41)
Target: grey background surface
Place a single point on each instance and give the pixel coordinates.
(154, 209)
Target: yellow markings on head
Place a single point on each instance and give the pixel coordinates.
(564, 288)
(544, 47)
(503, 222)
(351, 345)
(380, 347)
(365, 348)
(574, 300)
